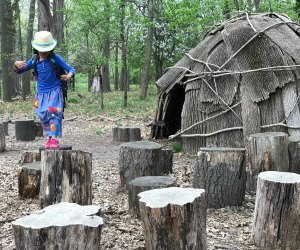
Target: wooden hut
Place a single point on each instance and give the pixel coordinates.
(243, 78)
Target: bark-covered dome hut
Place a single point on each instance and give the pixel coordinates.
(243, 78)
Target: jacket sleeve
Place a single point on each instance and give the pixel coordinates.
(63, 64)
(29, 66)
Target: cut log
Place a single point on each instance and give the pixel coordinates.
(38, 127)
(5, 124)
(167, 161)
(66, 177)
(145, 183)
(28, 157)
(2, 138)
(174, 218)
(29, 180)
(126, 134)
(221, 172)
(63, 226)
(136, 159)
(265, 152)
(294, 154)
(276, 223)
(24, 130)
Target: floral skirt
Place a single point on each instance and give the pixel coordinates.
(49, 108)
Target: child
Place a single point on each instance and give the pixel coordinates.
(49, 98)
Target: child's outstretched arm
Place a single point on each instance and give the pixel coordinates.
(22, 66)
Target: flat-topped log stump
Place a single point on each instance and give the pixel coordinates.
(294, 154)
(265, 152)
(66, 177)
(145, 183)
(140, 158)
(221, 172)
(5, 124)
(30, 156)
(174, 218)
(29, 180)
(24, 130)
(276, 223)
(2, 138)
(63, 226)
(126, 134)
(167, 161)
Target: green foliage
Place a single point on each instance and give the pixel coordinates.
(176, 147)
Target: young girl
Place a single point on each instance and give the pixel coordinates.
(49, 98)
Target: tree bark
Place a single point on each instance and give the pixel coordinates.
(58, 22)
(126, 134)
(29, 157)
(148, 53)
(123, 80)
(63, 226)
(45, 19)
(116, 83)
(136, 159)
(26, 75)
(29, 180)
(266, 151)
(294, 154)
(145, 183)
(174, 218)
(277, 211)
(2, 138)
(66, 176)
(221, 172)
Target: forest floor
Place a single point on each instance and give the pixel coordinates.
(227, 228)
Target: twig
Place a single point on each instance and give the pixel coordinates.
(99, 116)
(6, 221)
(178, 67)
(206, 63)
(213, 133)
(205, 120)
(250, 23)
(280, 124)
(70, 119)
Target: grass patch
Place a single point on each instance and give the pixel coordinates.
(176, 147)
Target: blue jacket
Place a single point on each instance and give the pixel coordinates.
(47, 79)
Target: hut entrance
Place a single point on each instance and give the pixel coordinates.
(168, 117)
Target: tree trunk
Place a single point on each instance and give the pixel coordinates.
(27, 75)
(106, 48)
(123, 79)
(58, 22)
(221, 172)
(145, 183)
(2, 138)
(174, 218)
(148, 53)
(66, 176)
(138, 159)
(126, 134)
(29, 157)
(277, 211)
(116, 83)
(45, 19)
(6, 48)
(63, 226)
(267, 151)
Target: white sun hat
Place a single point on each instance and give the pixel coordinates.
(43, 41)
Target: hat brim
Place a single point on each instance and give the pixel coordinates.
(44, 47)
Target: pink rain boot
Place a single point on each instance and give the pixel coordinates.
(47, 143)
(54, 144)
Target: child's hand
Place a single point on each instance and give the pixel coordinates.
(20, 64)
(66, 77)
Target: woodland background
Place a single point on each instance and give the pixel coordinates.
(131, 41)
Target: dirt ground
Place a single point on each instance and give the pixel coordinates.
(227, 228)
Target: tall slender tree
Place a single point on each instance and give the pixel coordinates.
(106, 47)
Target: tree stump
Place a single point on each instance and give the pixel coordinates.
(24, 130)
(276, 223)
(29, 180)
(38, 127)
(265, 152)
(294, 154)
(28, 157)
(5, 124)
(126, 134)
(221, 172)
(140, 158)
(66, 176)
(145, 183)
(174, 218)
(2, 138)
(167, 161)
(63, 226)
